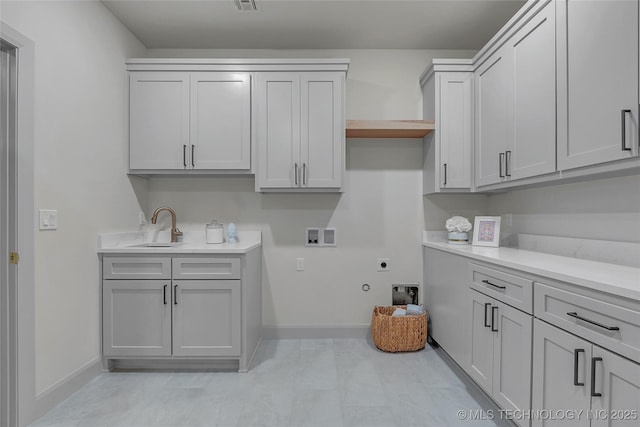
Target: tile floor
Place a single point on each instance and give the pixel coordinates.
(296, 383)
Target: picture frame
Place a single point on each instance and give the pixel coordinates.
(486, 231)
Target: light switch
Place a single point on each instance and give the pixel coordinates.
(48, 219)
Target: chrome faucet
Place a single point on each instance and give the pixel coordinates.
(175, 233)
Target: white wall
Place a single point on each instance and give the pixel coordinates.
(80, 141)
(380, 214)
(606, 209)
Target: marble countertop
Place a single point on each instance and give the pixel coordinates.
(193, 243)
(612, 278)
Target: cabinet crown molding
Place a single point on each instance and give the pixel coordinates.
(237, 64)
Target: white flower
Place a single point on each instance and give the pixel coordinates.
(459, 224)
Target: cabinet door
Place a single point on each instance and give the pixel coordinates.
(136, 316)
(322, 129)
(456, 128)
(532, 149)
(206, 317)
(480, 354)
(493, 83)
(220, 121)
(560, 361)
(278, 136)
(597, 80)
(158, 120)
(618, 382)
(512, 359)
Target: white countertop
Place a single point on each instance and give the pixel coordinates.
(612, 278)
(193, 243)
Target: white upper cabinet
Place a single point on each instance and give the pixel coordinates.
(493, 79)
(190, 121)
(597, 81)
(532, 138)
(300, 131)
(515, 104)
(220, 121)
(448, 99)
(278, 129)
(159, 120)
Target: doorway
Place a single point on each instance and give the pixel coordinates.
(8, 235)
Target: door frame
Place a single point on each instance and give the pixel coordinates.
(24, 298)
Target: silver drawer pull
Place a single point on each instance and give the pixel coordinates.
(608, 328)
(494, 285)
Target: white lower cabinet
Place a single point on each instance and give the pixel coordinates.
(136, 317)
(206, 318)
(597, 386)
(499, 359)
(171, 317)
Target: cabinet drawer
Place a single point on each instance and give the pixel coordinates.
(609, 325)
(206, 268)
(513, 290)
(136, 268)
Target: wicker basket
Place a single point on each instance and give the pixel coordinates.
(400, 333)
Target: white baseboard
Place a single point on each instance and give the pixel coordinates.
(56, 393)
(316, 332)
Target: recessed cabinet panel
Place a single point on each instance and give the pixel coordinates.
(300, 131)
(136, 268)
(514, 290)
(512, 359)
(322, 130)
(210, 268)
(533, 140)
(455, 127)
(136, 317)
(493, 82)
(220, 121)
(279, 129)
(159, 120)
(480, 363)
(597, 81)
(206, 318)
(618, 382)
(561, 371)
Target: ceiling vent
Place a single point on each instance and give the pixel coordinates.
(246, 5)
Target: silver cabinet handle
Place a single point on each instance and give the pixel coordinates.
(593, 322)
(624, 129)
(445, 174)
(500, 160)
(507, 163)
(295, 174)
(193, 155)
(304, 174)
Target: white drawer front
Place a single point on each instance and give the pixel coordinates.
(608, 325)
(136, 268)
(206, 268)
(513, 290)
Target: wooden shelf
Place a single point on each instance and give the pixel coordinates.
(389, 128)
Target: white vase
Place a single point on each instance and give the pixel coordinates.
(458, 238)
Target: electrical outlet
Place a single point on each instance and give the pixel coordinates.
(508, 220)
(299, 264)
(384, 264)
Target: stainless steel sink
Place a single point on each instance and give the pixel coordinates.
(156, 245)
